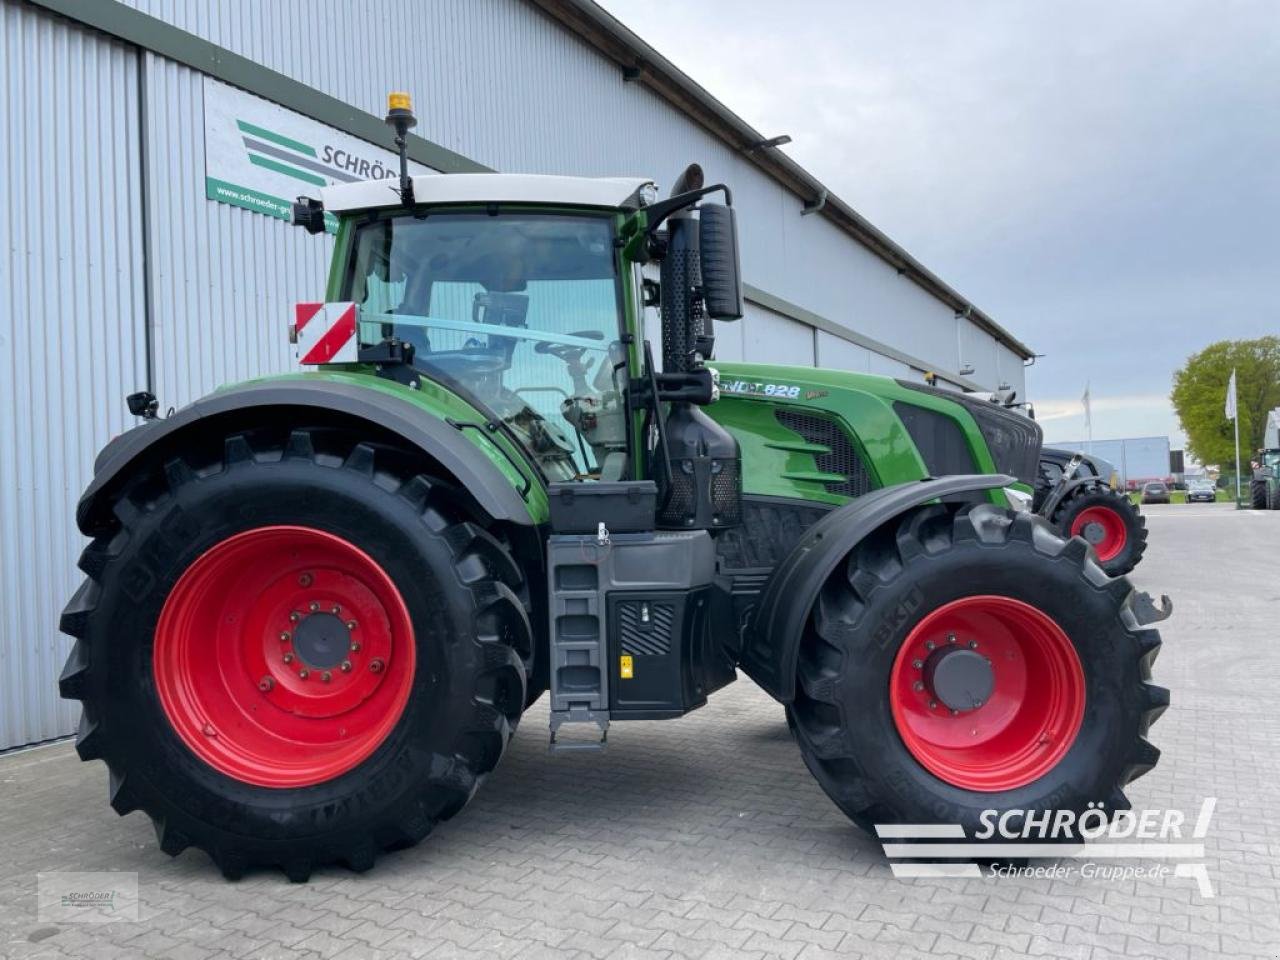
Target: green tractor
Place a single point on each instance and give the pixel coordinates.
(316, 605)
(1264, 485)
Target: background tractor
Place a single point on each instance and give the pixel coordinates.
(1077, 494)
(1264, 485)
(316, 605)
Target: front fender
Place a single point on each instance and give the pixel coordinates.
(1063, 490)
(483, 476)
(772, 644)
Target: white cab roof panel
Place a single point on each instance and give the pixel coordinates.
(484, 188)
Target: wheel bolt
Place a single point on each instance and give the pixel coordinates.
(918, 686)
(929, 645)
(917, 664)
(955, 713)
(335, 609)
(288, 658)
(973, 644)
(977, 704)
(305, 580)
(304, 673)
(351, 624)
(326, 676)
(266, 684)
(295, 616)
(313, 606)
(355, 647)
(933, 704)
(346, 666)
(375, 665)
(284, 636)
(951, 638)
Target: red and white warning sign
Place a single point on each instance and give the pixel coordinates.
(324, 332)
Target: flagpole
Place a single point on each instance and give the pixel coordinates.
(1233, 411)
(1088, 419)
(1236, 421)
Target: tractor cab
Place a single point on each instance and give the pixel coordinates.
(519, 310)
(523, 296)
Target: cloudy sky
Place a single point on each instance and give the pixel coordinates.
(1102, 178)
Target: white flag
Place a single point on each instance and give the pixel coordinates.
(1231, 397)
(1088, 408)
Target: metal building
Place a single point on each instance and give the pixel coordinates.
(150, 144)
(1135, 459)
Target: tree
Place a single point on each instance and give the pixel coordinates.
(1200, 393)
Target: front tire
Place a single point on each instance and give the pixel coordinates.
(1109, 522)
(295, 651)
(1258, 494)
(1063, 724)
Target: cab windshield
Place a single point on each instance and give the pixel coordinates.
(519, 312)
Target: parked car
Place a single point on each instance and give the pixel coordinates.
(1155, 492)
(1201, 491)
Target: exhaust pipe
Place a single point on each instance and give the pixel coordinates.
(681, 276)
(705, 480)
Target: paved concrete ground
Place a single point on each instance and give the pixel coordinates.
(706, 837)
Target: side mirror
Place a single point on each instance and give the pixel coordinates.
(721, 272)
(308, 214)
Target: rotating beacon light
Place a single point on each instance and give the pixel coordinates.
(401, 119)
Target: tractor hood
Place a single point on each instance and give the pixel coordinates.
(829, 435)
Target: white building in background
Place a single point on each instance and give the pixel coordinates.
(1135, 459)
(151, 146)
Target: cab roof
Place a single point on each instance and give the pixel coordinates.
(612, 192)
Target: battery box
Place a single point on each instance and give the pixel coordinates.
(624, 506)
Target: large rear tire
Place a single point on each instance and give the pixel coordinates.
(1062, 725)
(293, 651)
(1109, 522)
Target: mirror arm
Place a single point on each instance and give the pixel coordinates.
(643, 245)
(659, 211)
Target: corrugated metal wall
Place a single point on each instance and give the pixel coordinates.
(71, 328)
(491, 80)
(224, 279)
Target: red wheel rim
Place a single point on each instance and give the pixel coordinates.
(1029, 720)
(1108, 534)
(284, 656)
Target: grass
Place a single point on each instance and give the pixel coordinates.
(1180, 496)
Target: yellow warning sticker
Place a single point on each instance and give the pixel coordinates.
(626, 668)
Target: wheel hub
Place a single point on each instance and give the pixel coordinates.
(960, 678)
(1103, 529)
(322, 640)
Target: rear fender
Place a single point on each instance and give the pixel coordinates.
(328, 400)
(773, 641)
